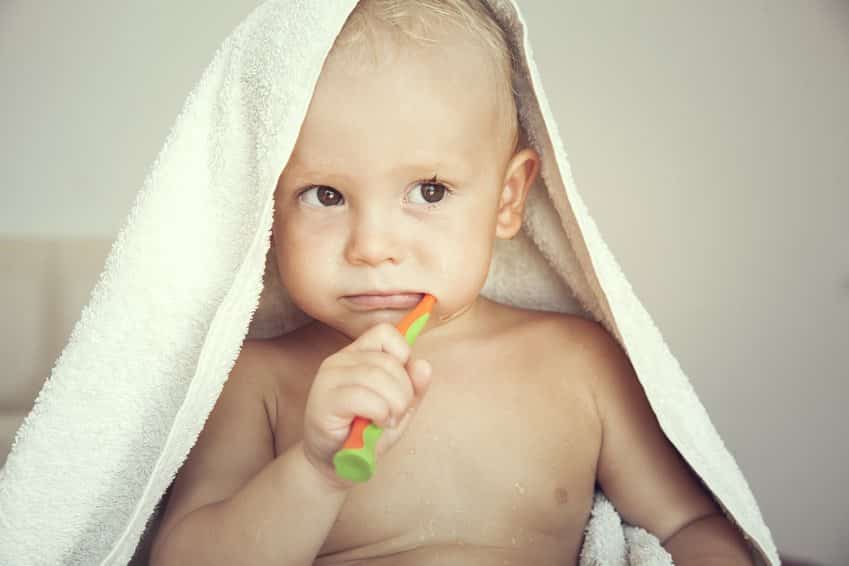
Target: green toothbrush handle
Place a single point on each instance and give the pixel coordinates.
(356, 460)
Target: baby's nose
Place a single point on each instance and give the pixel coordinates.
(374, 239)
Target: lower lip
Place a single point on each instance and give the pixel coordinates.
(400, 301)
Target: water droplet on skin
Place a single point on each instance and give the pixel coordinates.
(513, 540)
(412, 452)
(520, 488)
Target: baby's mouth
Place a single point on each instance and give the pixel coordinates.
(373, 301)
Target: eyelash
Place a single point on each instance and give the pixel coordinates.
(424, 182)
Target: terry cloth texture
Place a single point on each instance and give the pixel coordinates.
(186, 282)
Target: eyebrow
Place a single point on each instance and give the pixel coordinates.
(431, 168)
(426, 166)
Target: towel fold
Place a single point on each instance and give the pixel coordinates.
(610, 542)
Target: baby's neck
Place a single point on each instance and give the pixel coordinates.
(457, 326)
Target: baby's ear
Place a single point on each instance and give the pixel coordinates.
(521, 173)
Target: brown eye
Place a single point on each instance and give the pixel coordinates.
(431, 192)
(324, 196)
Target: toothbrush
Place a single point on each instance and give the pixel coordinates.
(355, 461)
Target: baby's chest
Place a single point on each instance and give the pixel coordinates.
(507, 462)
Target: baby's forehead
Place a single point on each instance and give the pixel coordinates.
(401, 102)
(451, 58)
(458, 46)
(383, 42)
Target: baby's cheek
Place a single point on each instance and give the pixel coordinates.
(309, 243)
(462, 270)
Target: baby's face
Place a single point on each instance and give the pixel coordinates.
(393, 185)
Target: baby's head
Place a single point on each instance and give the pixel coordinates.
(407, 166)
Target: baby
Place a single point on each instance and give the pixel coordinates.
(500, 422)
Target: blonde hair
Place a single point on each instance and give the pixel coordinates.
(418, 22)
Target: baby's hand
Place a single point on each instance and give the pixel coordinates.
(373, 377)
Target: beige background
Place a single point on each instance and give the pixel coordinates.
(709, 140)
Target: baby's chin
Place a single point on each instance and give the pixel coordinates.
(355, 324)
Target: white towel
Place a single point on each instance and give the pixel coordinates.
(185, 284)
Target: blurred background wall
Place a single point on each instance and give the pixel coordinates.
(710, 141)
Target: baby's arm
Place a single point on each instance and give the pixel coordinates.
(233, 502)
(642, 473)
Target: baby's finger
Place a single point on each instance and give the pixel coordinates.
(420, 374)
(382, 337)
(356, 401)
(394, 369)
(397, 391)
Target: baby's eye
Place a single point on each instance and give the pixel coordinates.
(431, 192)
(324, 196)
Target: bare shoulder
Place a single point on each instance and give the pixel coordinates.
(260, 370)
(255, 367)
(558, 354)
(571, 350)
(277, 365)
(289, 364)
(597, 358)
(584, 343)
(638, 468)
(235, 443)
(574, 337)
(260, 363)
